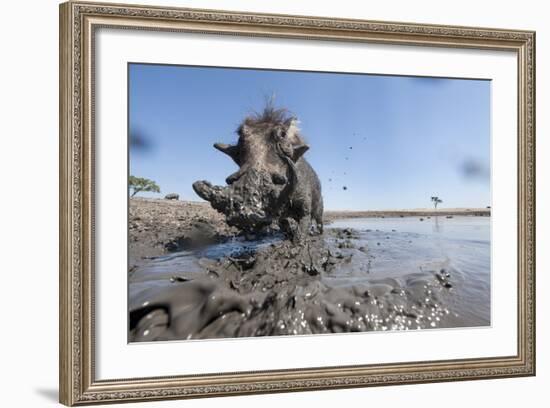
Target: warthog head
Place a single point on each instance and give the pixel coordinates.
(269, 145)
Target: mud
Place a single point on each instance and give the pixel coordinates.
(158, 227)
(280, 288)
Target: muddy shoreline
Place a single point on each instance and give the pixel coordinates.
(159, 226)
(475, 212)
(283, 289)
(268, 286)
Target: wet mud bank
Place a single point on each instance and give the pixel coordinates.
(159, 227)
(274, 287)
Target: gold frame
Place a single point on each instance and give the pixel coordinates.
(78, 21)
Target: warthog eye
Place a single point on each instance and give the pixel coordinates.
(278, 178)
(279, 133)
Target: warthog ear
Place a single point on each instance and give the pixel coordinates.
(231, 150)
(291, 127)
(299, 151)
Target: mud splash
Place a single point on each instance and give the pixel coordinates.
(275, 287)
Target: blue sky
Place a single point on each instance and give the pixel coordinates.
(391, 141)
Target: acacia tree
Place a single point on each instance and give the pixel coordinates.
(139, 184)
(436, 200)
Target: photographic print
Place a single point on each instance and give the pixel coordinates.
(274, 202)
(233, 183)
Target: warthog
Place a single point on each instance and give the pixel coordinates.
(274, 185)
(172, 196)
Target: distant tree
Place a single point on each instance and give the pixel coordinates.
(436, 200)
(139, 184)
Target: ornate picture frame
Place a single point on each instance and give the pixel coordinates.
(79, 22)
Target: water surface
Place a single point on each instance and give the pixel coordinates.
(399, 247)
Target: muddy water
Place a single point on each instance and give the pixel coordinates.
(363, 274)
(459, 245)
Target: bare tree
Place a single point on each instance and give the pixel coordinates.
(436, 200)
